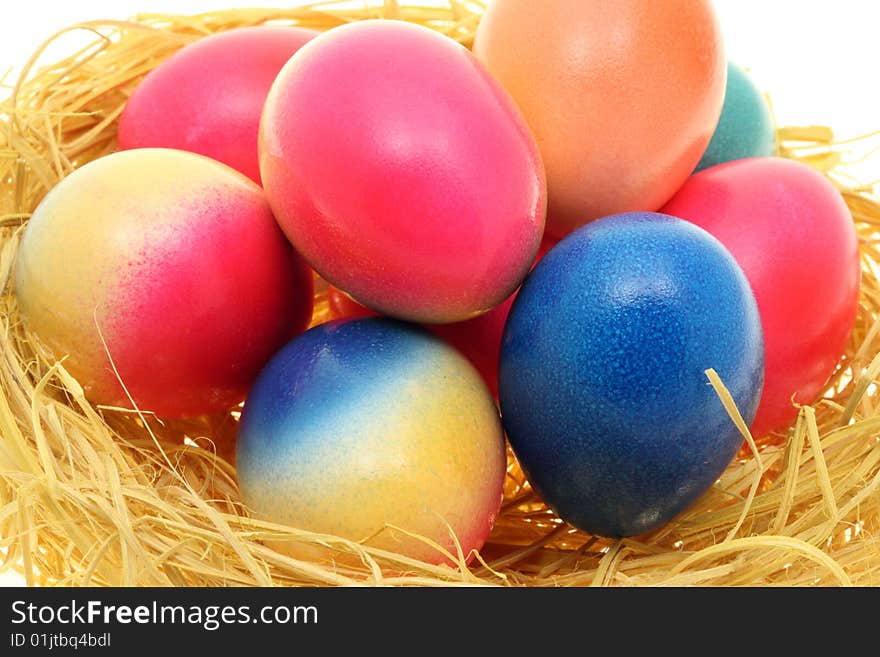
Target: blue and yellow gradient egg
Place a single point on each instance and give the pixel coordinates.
(363, 428)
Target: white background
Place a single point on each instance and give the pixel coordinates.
(819, 60)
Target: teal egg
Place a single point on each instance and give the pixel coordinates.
(745, 128)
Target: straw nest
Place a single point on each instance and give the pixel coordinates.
(99, 496)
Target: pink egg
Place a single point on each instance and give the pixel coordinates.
(161, 276)
(403, 172)
(207, 98)
(793, 235)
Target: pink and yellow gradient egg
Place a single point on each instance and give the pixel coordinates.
(162, 276)
(373, 430)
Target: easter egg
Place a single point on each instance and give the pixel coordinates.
(622, 96)
(207, 97)
(746, 127)
(163, 279)
(402, 171)
(373, 430)
(793, 235)
(602, 378)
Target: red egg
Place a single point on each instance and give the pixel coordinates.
(207, 98)
(478, 339)
(402, 171)
(792, 234)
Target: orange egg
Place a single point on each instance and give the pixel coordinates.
(622, 95)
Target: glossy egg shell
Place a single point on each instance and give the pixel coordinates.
(792, 234)
(622, 96)
(603, 388)
(207, 98)
(746, 127)
(357, 426)
(173, 265)
(402, 171)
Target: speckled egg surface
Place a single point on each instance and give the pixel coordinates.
(603, 388)
(165, 272)
(356, 426)
(745, 128)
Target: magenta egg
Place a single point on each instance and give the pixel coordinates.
(207, 98)
(403, 172)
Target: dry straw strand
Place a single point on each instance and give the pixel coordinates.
(106, 496)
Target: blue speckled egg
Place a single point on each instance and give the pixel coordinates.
(745, 128)
(362, 428)
(602, 380)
